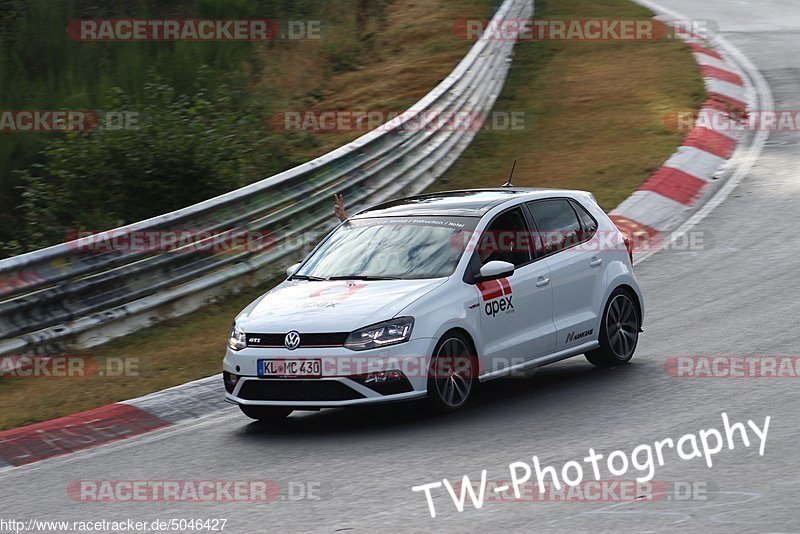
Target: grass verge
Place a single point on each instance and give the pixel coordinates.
(593, 111)
(170, 353)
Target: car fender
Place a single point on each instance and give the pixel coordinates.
(618, 273)
(445, 308)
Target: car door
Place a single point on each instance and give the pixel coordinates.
(575, 267)
(515, 312)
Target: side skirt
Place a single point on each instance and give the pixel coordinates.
(540, 361)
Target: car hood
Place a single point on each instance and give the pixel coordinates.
(331, 306)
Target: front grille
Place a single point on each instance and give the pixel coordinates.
(297, 390)
(327, 339)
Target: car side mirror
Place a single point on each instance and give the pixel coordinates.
(293, 269)
(495, 269)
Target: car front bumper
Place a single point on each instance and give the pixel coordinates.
(348, 378)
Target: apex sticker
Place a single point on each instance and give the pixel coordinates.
(497, 296)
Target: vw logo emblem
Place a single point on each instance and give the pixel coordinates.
(292, 340)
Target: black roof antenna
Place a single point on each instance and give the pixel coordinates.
(508, 183)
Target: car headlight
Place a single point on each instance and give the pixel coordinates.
(238, 339)
(381, 334)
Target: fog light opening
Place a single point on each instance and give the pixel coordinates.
(385, 382)
(230, 380)
(382, 376)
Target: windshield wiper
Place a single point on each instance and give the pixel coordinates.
(363, 277)
(308, 277)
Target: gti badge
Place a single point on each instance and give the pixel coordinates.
(292, 340)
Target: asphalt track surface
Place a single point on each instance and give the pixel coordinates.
(738, 298)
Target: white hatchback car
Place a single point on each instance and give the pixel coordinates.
(424, 296)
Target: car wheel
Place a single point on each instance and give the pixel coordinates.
(266, 413)
(452, 373)
(619, 331)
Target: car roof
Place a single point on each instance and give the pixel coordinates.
(464, 202)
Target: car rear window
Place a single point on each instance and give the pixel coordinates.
(557, 223)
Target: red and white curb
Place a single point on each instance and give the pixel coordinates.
(114, 422)
(662, 202)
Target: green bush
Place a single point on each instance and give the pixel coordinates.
(202, 108)
(184, 150)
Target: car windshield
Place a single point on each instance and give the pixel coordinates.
(391, 248)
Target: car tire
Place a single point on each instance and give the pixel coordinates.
(265, 413)
(619, 331)
(452, 374)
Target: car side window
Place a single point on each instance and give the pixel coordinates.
(589, 223)
(558, 224)
(507, 238)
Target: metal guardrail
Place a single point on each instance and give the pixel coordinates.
(49, 296)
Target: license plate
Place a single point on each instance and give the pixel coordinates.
(290, 368)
